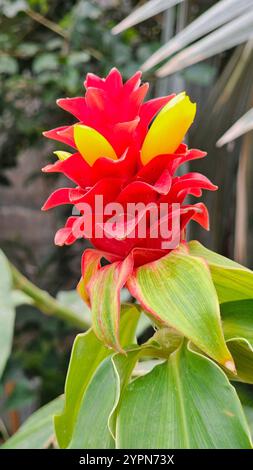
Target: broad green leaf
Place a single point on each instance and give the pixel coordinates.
(232, 281)
(178, 290)
(242, 352)
(123, 365)
(38, 431)
(161, 345)
(246, 398)
(100, 404)
(98, 408)
(7, 311)
(87, 353)
(191, 405)
(91, 429)
(20, 298)
(248, 410)
(237, 318)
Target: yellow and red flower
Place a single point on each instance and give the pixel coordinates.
(127, 151)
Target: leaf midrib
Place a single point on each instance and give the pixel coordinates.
(174, 360)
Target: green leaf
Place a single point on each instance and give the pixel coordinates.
(191, 405)
(237, 320)
(178, 290)
(232, 281)
(91, 429)
(7, 311)
(123, 365)
(28, 49)
(8, 65)
(246, 398)
(87, 353)
(77, 58)
(98, 410)
(37, 432)
(248, 410)
(242, 352)
(46, 61)
(234, 286)
(20, 298)
(104, 289)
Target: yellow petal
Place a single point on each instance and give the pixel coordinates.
(91, 144)
(62, 155)
(169, 128)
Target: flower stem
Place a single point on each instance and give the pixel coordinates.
(45, 302)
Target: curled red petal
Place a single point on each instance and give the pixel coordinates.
(199, 213)
(74, 167)
(64, 236)
(62, 134)
(57, 198)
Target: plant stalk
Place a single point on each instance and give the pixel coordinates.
(44, 301)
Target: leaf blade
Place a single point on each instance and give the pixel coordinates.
(191, 399)
(232, 281)
(178, 290)
(7, 311)
(149, 9)
(231, 34)
(37, 430)
(215, 16)
(87, 353)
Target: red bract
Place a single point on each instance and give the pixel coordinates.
(121, 157)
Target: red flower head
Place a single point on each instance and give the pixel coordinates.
(123, 157)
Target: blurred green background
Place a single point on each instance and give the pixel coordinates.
(46, 49)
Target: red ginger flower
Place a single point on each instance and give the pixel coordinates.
(122, 158)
